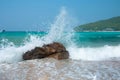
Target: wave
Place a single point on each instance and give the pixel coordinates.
(95, 54)
(11, 53)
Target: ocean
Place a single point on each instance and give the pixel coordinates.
(81, 45)
(81, 39)
(93, 55)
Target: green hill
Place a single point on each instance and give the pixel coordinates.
(112, 24)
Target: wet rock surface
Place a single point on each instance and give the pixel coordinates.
(52, 69)
(54, 50)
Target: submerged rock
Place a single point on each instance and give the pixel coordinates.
(54, 50)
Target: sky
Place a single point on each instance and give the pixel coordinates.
(33, 15)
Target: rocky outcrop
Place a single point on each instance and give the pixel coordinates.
(54, 50)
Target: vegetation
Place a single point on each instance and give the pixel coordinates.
(112, 24)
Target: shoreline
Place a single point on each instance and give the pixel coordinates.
(52, 69)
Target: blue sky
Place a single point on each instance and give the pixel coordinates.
(23, 15)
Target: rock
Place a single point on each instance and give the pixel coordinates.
(54, 50)
(59, 56)
(56, 46)
(36, 53)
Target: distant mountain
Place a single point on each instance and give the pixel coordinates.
(112, 24)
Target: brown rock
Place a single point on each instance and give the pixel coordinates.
(54, 50)
(38, 52)
(56, 46)
(59, 56)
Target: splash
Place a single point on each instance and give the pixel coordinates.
(5, 43)
(58, 28)
(11, 53)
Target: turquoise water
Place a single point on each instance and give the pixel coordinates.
(18, 37)
(81, 39)
(80, 45)
(97, 39)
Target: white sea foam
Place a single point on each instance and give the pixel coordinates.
(94, 54)
(11, 53)
(14, 54)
